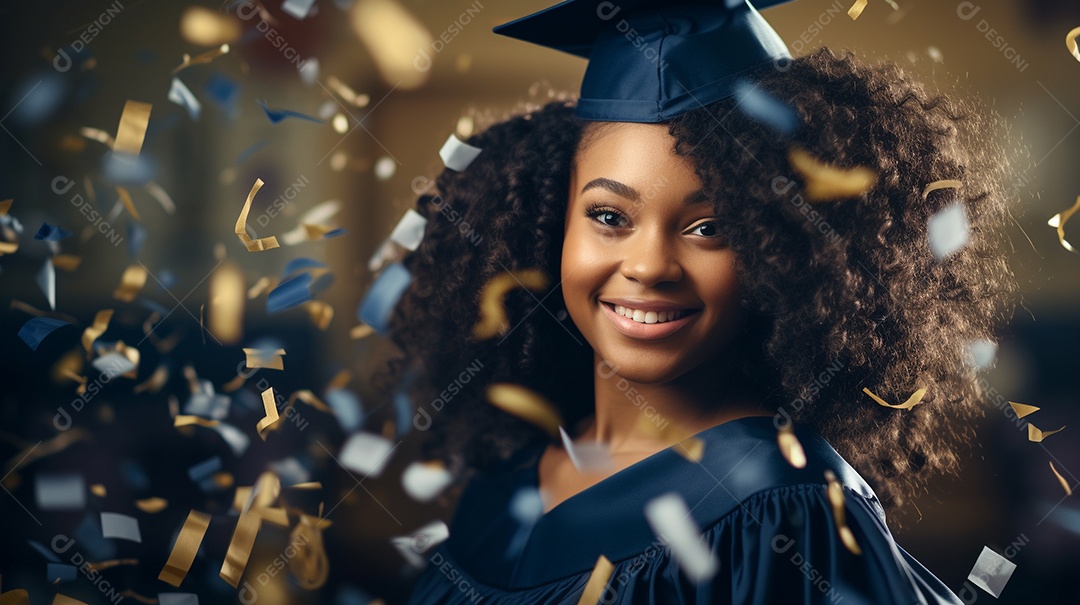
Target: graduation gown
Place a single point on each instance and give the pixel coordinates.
(770, 526)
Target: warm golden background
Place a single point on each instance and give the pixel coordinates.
(1006, 497)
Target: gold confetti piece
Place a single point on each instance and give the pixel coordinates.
(361, 331)
(205, 27)
(186, 420)
(316, 231)
(223, 480)
(67, 262)
(271, 360)
(79, 379)
(1064, 483)
(96, 134)
(493, 319)
(92, 333)
(227, 303)
(19, 596)
(206, 57)
(233, 385)
(836, 498)
(692, 449)
(1070, 42)
(825, 182)
(186, 547)
(5, 206)
(306, 486)
(340, 380)
(321, 313)
(269, 404)
(8, 247)
(132, 130)
(309, 398)
(125, 199)
(277, 516)
(60, 599)
(236, 558)
(310, 565)
(156, 381)
(945, 184)
(45, 448)
(100, 565)
(914, 400)
(347, 94)
(258, 245)
(1036, 435)
(261, 285)
(152, 505)
(138, 597)
(98, 490)
(856, 9)
(525, 404)
(790, 447)
(1058, 221)
(241, 497)
(598, 579)
(1023, 409)
(133, 280)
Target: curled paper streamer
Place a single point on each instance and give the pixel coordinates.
(493, 319)
(945, 184)
(132, 130)
(92, 333)
(457, 155)
(1037, 435)
(914, 400)
(598, 579)
(125, 199)
(258, 245)
(1061, 480)
(1070, 42)
(525, 404)
(206, 57)
(310, 565)
(836, 498)
(825, 182)
(188, 420)
(1058, 221)
(186, 547)
(270, 405)
(790, 447)
(236, 558)
(856, 9)
(131, 282)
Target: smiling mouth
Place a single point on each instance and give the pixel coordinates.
(649, 317)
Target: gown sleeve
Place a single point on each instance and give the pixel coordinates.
(783, 546)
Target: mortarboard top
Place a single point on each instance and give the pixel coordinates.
(651, 60)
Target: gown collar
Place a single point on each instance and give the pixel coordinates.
(740, 459)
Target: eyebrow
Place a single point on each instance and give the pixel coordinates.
(628, 192)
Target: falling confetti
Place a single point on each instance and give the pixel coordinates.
(914, 400)
(825, 182)
(493, 320)
(525, 404)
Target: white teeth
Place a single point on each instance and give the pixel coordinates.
(648, 317)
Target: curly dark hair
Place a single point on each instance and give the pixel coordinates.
(841, 298)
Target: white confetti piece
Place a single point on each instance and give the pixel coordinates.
(982, 353)
(113, 364)
(457, 155)
(181, 95)
(409, 231)
(178, 598)
(587, 457)
(116, 525)
(385, 168)
(671, 521)
(948, 230)
(309, 72)
(991, 572)
(60, 491)
(298, 9)
(46, 280)
(420, 541)
(366, 453)
(425, 481)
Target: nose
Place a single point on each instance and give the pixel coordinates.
(650, 260)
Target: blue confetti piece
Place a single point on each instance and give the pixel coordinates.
(51, 233)
(277, 115)
(224, 93)
(205, 468)
(136, 237)
(765, 108)
(403, 406)
(134, 475)
(384, 294)
(350, 595)
(302, 263)
(38, 328)
(123, 169)
(335, 232)
(39, 97)
(250, 151)
(60, 572)
(289, 293)
(347, 408)
(92, 544)
(45, 552)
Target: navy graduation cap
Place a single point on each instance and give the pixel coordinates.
(651, 60)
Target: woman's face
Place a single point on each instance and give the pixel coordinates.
(641, 241)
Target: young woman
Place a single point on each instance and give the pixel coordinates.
(697, 291)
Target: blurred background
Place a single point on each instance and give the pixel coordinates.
(376, 87)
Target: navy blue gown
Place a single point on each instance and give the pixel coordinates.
(770, 526)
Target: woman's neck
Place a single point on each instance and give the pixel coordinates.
(632, 416)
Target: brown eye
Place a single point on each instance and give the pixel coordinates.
(707, 229)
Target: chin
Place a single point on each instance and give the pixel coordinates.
(640, 369)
